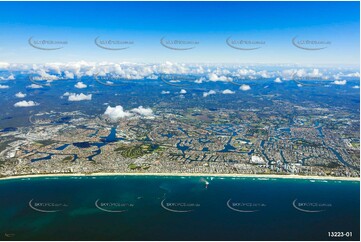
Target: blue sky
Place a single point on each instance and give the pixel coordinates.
(209, 23)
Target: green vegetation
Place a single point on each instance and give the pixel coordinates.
(68, 158)
(136, 151)
(138, 167)
(44, 142)
(244, 149)
(331, 164)
(259, 131)
(133, 166)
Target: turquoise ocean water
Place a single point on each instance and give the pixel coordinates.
(177, 208)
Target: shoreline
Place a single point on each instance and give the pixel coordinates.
(265, 176)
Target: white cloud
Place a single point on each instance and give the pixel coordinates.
(183, 91)
(80, 85)
(4, 65)
(200, 80)
(20, 95)
(35, 86)
(355, 74)
(252, 74)
(26, 104)
(315, 73)
(227, 91)
(165, 92)
(152, 77)
(246, 72)
(116, 113)
(211, 92)
(299, 85)
(143, 111)
(356, 87)
(214, 77)
(4, 86)
(290, 74)
(43, 75)
(9, 78)
(278, 80)
(203, 72)
(340, 82)
(69, 75)
(245, 87)
(73, 97)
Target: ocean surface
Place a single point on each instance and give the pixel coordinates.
(177, 208)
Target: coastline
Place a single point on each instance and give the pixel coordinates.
(265, 176)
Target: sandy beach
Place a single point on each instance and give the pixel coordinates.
(265, 176)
